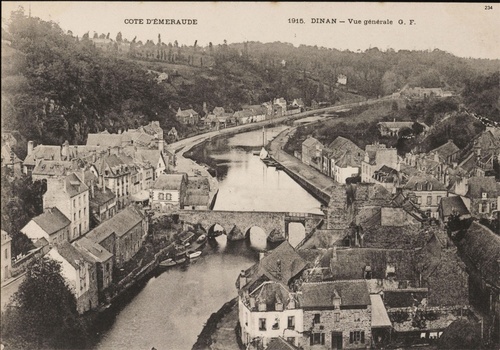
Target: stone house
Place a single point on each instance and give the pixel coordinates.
(71, 196)
(52, 225)
(452, 206)
(337, 315)
(102, 205)
(197, 193)
(345, 159)
(267, 303)
(103, 260)
(114, 173)
(311, 152)
(479, 248)
(446, 153)
(375, 157)
(484, 196)
(48, 169)
(80, 273)
(169, 192)
(10, 160)
(5, 256)
(426, 192)
(122, 235)
(187, 116)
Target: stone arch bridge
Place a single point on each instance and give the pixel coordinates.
(237, 224)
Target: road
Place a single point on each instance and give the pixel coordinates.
(9, 290)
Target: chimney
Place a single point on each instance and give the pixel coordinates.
(109, 150)
(65, 150)
(30, 147)
(334, 254)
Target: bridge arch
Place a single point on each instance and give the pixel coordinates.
(215, 230)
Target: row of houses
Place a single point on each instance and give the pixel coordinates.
(427, 179)
(344, 298)
(219, 118)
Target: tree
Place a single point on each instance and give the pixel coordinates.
(119, 37)
(42, 313)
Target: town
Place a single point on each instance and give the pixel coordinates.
(390, 237)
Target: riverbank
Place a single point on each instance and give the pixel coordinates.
(220, 331)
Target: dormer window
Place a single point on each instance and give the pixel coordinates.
(390, 271)
(484, 195)
(429, 187)
(368, 272)
(419, 187)
(336, 300)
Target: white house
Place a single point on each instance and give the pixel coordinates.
(6, 256)
(52, 225)
(80, 274)
(168, 192)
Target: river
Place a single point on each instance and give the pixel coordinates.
(169, 311)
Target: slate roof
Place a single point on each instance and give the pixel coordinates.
(351, 263)
(396, 125)
(54, 167)
(283, 258)
(480, 249)
(169, 181)
(320, 294)
(7, 154)
(453, 204)
(312, 142)
(446, 150)
(196, 199)
(101, 197)
(119, 224)
(43, 152)
(93, 250)
(479, 184)
(73, 185)
(424, 180)
(186, 113)
(280, 344)
(270, 293)
(52, 220)
(71, 254)
(107, 140)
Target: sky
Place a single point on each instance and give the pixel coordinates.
(463, 29)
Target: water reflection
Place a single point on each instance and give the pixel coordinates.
(169, 311)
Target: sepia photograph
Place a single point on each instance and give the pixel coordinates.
(250, 175)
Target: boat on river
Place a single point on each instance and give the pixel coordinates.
(201, 239)
(193, 254)
(168, 262)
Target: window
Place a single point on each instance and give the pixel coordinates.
(429, 200)
(84, 211)
(317, 338)
(356, 337)
(161, 196)
(419, 200)
(317, 318)
(169, 196)
(276, 324)
(79, 214)
(484, 195)
(6, 254)
(291, 322)
(291, 340)
(74, 217)
(74, 203)
(262, 324)
(74, 232)
(337, 317)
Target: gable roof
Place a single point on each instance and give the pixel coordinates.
(280, 265)
(107, 139)
(119, 224)
(320, 294)
(8, 156)
(312, 142)
(43, 152)
(280, 344)
(423, 181)
(71, 254)
(482, 184)
(52, 220)
(452, 205)
(54, 167)
(186, 113)
(480, 249)
(446, 150)
(93, 250)
(169, 181)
